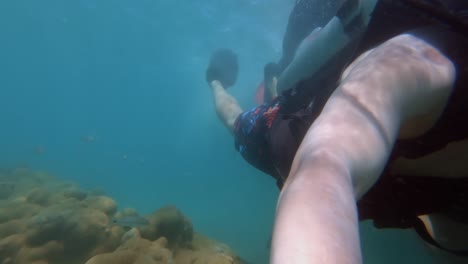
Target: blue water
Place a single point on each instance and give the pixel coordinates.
(131, 74)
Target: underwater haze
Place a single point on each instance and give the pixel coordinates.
(111, 94)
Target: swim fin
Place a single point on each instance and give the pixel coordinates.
(223, 67)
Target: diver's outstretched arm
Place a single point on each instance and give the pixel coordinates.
(342, 155)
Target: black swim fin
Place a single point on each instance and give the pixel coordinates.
(223, 67)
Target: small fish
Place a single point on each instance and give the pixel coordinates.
(88, 138)
(39, 149)
(130, 221)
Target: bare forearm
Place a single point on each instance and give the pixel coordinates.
(316, 219)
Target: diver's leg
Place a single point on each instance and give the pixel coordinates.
(305, 17)
(340, 35)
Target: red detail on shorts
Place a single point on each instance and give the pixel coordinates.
(270, 115)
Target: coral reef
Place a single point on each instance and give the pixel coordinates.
(44, 220)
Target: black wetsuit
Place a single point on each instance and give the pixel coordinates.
(394, 201)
